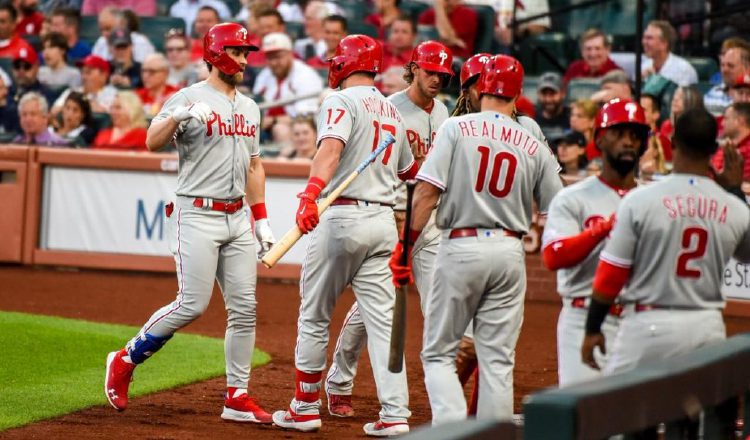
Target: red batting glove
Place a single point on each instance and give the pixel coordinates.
(601, 229)
(402, 275)
(307, 214)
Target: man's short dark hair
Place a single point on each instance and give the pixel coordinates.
(695, 134)
(72, 16)
(212, 9)
(270, 12)
(56, 39)
(335, 18)
(407, 18)
(7, 6)
(655, 102)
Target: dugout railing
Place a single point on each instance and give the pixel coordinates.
(695, 396)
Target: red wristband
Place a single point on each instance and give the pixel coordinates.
(413, 236)
(259, 211)
(314, 186)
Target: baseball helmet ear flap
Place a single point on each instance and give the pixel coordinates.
(218, 38)
(622, 112)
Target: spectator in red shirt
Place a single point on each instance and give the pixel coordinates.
(205, 19)
(740, 91)
(128, 131)
(386, 11)
(456, 24)
(30, 19)
(659, 148)
(141, 7)
(737, 133)
(10, 43)
(595, 48)
(401, 40)
(334, 30)
(155, 90)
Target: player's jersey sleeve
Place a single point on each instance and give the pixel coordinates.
(336, 119)
(548, 183)
(563, 219)
(255, 116)
(436, 168)
(621, 247)
(179, 99)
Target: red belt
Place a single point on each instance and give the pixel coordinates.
(579, 302)
(229, 207)
(345, 201)
(472, 232)
(648, 307)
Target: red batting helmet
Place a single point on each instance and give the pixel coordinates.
(355, 53)
(218, 38)
(502, 75)
(473, 67)
(433, 56)
(622, 111)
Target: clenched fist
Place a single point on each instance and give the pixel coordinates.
(197, 110)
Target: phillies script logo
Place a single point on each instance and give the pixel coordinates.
(235, 126)
(591, 221)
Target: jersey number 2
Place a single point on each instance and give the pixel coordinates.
(691, 253)
(496, 187)
(390, 129)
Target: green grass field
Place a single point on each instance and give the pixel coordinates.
(53, 366)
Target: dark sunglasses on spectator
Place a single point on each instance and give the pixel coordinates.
(152, 71)
(22, 65)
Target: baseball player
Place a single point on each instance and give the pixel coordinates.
(215, 129)
(427, 73)
(486, 169)
(670, 244)
(579, 220)
(468, 102)
(351, 244)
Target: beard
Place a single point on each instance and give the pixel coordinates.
(623, 163)
(28, 10)
(232, 80)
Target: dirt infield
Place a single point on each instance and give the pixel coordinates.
(193, 411)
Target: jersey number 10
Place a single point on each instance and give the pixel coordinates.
(497, 187)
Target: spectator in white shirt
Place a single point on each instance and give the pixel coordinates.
(658, 40)
(733, 63)
(112, 18)
(56, 73)
(285, 78)
(182, 72)
(188, 9)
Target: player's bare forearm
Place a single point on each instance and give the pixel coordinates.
(426, 196)
(326, 160)
(160, 133)
(256, 182)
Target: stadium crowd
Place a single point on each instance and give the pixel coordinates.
(64, 83)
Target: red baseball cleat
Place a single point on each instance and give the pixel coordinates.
(242, 408)
(289, 420)
(117, 379)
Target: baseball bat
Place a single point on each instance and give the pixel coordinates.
(398, 326)
(294, 234)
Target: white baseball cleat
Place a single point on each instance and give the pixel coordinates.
(383, 429)
(301, 422)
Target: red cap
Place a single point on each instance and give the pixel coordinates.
(95, 62)
(742, 81)
(26, 55)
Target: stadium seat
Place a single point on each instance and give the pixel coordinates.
(162, 6)
(6, 64)
(89, 29)
(101, 120)
(413, 8)
(704, 86)
(295, 29)
(426, 32)
(156, 27)
(529, 87)
(485, 39)
(581, 88)
(363, 28)
(705, 67)
(535, 53)
(354, 11)
(234, 6)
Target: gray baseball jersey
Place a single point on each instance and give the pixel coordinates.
(361, 114)
(214, 157)
(677, 235)
(421, 126)
(574, 209)
(495, 167)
